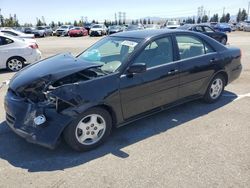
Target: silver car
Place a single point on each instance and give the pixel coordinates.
(246, 26)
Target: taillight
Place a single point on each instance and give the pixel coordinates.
(33, 46)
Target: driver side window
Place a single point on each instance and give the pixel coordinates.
(158, 52)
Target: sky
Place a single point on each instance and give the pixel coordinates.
(69, 10)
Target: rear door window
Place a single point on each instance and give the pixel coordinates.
(190, 46)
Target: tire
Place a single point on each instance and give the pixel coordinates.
(224, 40)
(89, 130)
(215, 89)
(15, 64)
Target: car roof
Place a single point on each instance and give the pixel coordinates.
(144, 34)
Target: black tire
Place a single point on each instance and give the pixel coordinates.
(208, 97)
(17, 60)
(71, 131)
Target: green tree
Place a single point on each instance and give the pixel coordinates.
(149, 22)
(228, 17)
(189, 21)
(144, 21)
(59, 24)
(204, 19)
(239, 16)
(133, 22)
(2, 21)
(199, 20)
(52, 24)
(214, 18)
(223, 18)
(243, 15)
(75, 23)
(39, 23)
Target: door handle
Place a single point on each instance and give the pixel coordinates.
(173, 72)
(213, 60)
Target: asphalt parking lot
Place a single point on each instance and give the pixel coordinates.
(193, 145)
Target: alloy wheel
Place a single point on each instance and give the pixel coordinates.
(90, 129)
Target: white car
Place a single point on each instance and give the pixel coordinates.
(18, 33)
(16, 52)
(246, 26)
(98, 30)
(173, 24)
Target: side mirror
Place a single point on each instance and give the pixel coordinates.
(137, 68)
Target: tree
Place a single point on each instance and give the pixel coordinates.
(133, 22)
(214, 18)
(93, 21)
(52, 24)
(59, 24)
(243, 15)
(149, 22)
(193, 20)
(39, 23)
(144, 21)
(228, 17)
(2, 21)
(189, 21)
(223, 18)
(199, 20)
(204, 19)
(75, 23)
(239, 16)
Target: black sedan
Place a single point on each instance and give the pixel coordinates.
(207, 30)
(120, 79)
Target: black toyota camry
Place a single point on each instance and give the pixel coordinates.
(118, 80)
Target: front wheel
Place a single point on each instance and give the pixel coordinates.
(215, 89)
(89, 130)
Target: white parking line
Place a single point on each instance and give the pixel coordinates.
(238, 96)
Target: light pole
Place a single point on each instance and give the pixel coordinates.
(248, 10)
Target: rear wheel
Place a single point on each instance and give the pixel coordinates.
(89, 130)
(215, 89)
(15, 64)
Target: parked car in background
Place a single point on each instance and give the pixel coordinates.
(152, 26)
(16, 52)
(212, 24)
(207, 30)
(63, 30)
(98, 30)
(78, 31)
(120, 79)
(44, 31)
(246, 26)
(172, 24)
(134, 27)
(233, 26)
(17, 33)
(114, 29)
(222, 27)
(240, 26)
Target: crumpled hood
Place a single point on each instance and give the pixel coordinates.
(49, 70)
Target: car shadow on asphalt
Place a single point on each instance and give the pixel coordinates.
(34, 158)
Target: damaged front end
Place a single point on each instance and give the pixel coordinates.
(37, 109)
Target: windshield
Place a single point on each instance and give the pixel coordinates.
(64, 27)
(40, 28)
(110, 52)
(173, 23)
(114, 27)
(76, 28)
(97, 26)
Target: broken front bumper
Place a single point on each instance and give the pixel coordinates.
(20, 116)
